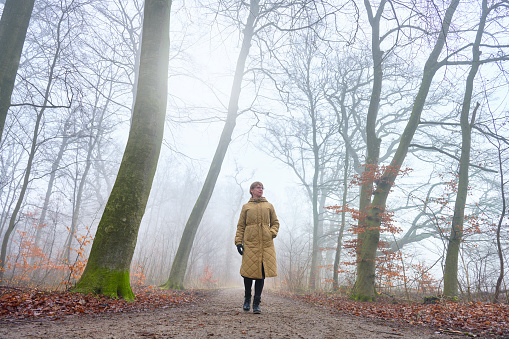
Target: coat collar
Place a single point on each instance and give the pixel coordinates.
(261, 199)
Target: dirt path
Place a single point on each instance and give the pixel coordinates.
(219, 315)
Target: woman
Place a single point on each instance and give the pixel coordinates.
(256, 228)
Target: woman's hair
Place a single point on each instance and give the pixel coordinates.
(253, 185)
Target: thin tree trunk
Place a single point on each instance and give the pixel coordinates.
(453, 248)
(314, 272)
(92, 143)
(179, 266)
(101, 173)
(230, 237)
(451, 259)
(77, 203)
(31, 155)
(10, 196)
(343, 122)
(49, 191)
(320, 196)
(499, 229)
(107, 270)
(13, 29)
(339, 244)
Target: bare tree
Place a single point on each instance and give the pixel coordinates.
(66, 138)
(374, 199)
(179, 266)
(306, 141)
(95, 132)
(502, 145)
(60, 36)
(466, 123)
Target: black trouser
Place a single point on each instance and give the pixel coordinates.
(248, 283)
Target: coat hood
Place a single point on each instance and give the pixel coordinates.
(261, 199)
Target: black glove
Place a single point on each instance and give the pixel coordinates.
(240, 248)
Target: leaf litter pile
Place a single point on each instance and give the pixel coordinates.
(471, 319)
(16, 304)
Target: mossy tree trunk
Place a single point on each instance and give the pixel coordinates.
(13, 29)
(373, 211)
(364, 287)
(107, 270)
(451, 258)
(179, 266)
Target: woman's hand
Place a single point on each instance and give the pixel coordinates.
(240, 248)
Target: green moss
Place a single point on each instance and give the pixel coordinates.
(363, 298)
(172, 286)
(107, 282)
(453, 298)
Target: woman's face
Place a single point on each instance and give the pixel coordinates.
(257, 191)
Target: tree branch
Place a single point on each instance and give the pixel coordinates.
(432, 148)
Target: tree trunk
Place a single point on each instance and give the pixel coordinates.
(179, 266)
(92, 143)
(339, 244)
(453, 247)
(13, 219)
(77, 201)
(364, 288)
(321, 197)
(14, 216)
(344, 128)
(49, 191)
(102, 173)
(230, 237)
(499, 227)
(451, 259)
(13, 29)
(314, 274)
(107, 270)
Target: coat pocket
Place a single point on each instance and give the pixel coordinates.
(266, 235)
(251, 238)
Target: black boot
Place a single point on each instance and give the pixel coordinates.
(247, 303)
(256, 304)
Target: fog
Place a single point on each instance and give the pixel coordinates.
(301, 130)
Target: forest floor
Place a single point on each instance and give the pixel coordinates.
(199, 314)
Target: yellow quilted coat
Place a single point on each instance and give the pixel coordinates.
(256, 228)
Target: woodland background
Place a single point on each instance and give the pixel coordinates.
(303, 128)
